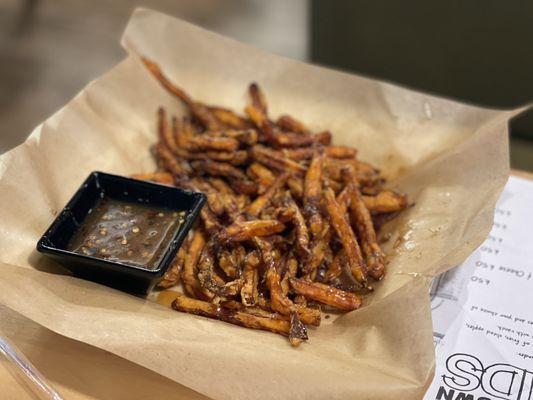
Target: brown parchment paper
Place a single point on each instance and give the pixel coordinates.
(451, 159)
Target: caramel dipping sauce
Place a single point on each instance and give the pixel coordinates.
(128, 233)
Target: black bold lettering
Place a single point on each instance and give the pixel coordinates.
(447, 396)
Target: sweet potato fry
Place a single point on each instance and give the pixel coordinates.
(262, 175)
(163, 178)
(362, 221)
(246, 137)
(306, 153)
(385, 201)
(298, 140)
(179, 168)
(234, 268)
(249, 293)
(200, 111)
(340, 152)
(172, 276)
(183, 131)
(299, 153)
(166, 135)
(254, 209)
(236, 158)
(313, 193)
(257, 112)
(318, 251)
(246, 230)
(326, 294)
(213, 198)
(189, 273)
(343, 199)
(365, 173)
(242, 201)
(347, 237)
(229, 118)
(209, 310)
(221, 185)
(276, 160)
(291, 213)
(211, 223)
(213, 143)
(296, 187)
(290, 124)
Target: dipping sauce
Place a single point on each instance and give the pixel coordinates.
(129, 233)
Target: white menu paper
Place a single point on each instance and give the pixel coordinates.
(483, 310)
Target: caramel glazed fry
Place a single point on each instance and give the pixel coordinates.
(289, 224)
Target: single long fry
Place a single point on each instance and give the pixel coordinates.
(306, 153)
(343, 199)
(298, 140)
(206, 142)
(229, 118)
(200, 111)
(246, 230)
(347, 237)
(209, 310)
(257, 111)
(386, 201)
(183, 131)
(166, 135)
(276, 160)
(361, 219)
(290, 124)
(326, 294)
(189, 277)
(341, 152)
(313, 193)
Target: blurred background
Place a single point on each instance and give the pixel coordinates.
(477, 52)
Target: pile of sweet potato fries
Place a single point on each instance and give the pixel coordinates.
(289, 222)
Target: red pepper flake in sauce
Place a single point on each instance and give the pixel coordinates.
(134, 234)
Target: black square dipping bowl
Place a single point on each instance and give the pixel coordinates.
(94, 264)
